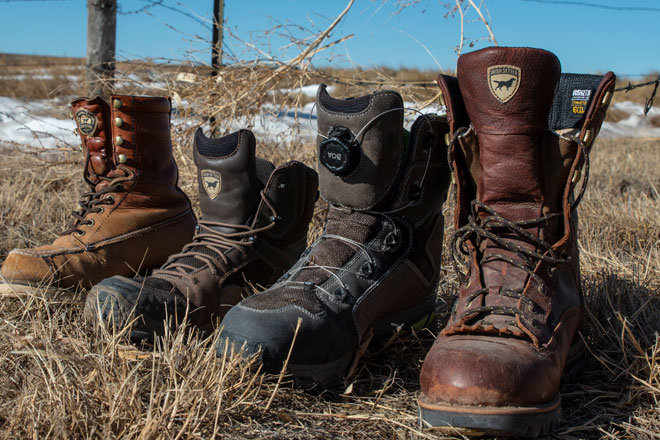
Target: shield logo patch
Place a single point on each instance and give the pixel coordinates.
(212, 182)
(503, 81)
(87, 122)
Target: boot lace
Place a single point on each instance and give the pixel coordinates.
(195, 255)
(507, 235)
(92, 201)
(387, 217)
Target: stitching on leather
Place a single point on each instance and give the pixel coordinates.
(147, 229)
(34, 253)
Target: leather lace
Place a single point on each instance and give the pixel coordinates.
(490, 228)
(206, 236)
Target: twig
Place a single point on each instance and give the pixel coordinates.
(485, 22)
(286, 363)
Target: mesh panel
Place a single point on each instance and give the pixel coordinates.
(572, 98)
(155, 283)
(348, 105)
(160, 284)
(283, 297)
(264, 169)
(330, 252)
(196, 262)
(215, 147)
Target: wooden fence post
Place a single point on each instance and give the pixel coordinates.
(101, 35)
(218, 22)
(216, 49)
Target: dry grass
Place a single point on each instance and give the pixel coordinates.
(64, 378)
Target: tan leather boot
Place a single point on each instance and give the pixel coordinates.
(254, 225)
(133, 202)
(377, 264)
(521, 137)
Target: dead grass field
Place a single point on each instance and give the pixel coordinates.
(66, 379)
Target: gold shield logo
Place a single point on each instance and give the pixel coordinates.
(87, 121)
(212, 183)
(503, 81)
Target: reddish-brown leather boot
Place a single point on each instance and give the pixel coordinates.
(521, 134)
(134, 215)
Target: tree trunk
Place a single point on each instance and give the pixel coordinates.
(101, 33)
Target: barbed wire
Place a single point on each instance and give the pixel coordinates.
(31, 1)
(596, 5)
(649, 101)
(152, 4)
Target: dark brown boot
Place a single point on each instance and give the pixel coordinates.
(133, 201)
(521, 138)
(377, 264)
(253, 228)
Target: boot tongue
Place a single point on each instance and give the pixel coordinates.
(359, 172)
(226, 173)
(508, 94)
(92, 118)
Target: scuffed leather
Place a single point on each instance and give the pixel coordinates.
(509, 159)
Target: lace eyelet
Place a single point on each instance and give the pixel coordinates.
(100, 210)
(367, 269)
(91, 222)
(111, 199)
(341, 293)
(391, 240)
(79, 233)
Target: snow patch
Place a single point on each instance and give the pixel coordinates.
(20, 125)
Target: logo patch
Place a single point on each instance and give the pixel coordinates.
(212, 182)
(87, 122)
(579, 101)
(503, 81)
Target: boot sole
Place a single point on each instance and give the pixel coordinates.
(521, 421)
(16, 290)
(335, 373)
(532, 421)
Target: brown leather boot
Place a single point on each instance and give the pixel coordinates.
(521, 137)
(253, 228)
(377, 264)
(133, 201)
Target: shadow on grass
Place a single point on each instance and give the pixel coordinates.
(615, 396)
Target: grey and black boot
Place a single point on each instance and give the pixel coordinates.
(253, 228)
(377, 264)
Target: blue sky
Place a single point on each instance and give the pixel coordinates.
(585, 39)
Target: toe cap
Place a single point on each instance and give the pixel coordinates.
(27, 266)
(488, 371)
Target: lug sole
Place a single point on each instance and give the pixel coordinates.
(335, 373)
(17, 290)
(530, 421)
